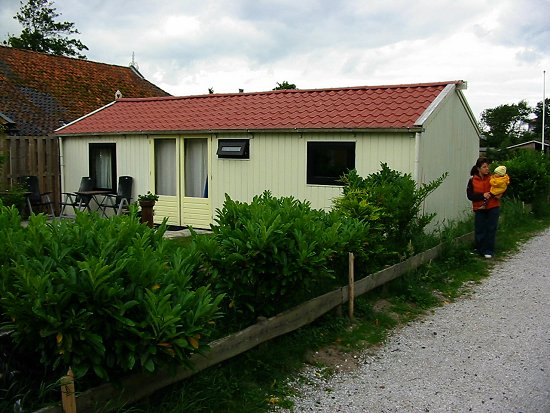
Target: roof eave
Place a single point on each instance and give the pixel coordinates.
(412, 129)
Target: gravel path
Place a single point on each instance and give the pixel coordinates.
(488, 352)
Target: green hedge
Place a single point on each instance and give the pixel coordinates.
(392, 200)
(529, 173)
(272, 253)
(101, 295)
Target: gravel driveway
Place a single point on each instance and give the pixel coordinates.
(488, 352)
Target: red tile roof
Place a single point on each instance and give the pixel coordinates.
(41, 92)
(397, 106)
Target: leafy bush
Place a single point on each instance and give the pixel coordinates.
(102, 296)
(10, 196)
(274, 252)
(391, 199)
(529, 176)
(14, 196)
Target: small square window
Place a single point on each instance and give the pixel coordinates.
(328, 161)
(233, 148)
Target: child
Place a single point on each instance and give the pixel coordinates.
(499, 182)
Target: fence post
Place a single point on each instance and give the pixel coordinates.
(351, 285)
(68, 399)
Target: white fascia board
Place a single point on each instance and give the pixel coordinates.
(435, 103)
(85, 116)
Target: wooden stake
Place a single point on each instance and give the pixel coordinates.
(351, 285)
(68, 400)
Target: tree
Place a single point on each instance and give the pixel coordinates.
(505, 125)
(537, 121)
(285, 85)
(42, 33)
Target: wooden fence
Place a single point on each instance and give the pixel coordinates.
(32, 155)
(109, 397)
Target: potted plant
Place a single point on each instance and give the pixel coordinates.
(147, 202)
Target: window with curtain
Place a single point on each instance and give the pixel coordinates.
(102, 165)
(196, 168)
(165, 167)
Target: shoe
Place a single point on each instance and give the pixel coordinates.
(488, 256)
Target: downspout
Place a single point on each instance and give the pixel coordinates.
(416, 174)
(61, 165)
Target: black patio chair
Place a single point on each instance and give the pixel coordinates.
(36, 200)
(75, 200)
(120, 201)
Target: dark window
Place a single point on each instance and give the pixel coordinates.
(233, 148)
(103, 165)
(328, 161)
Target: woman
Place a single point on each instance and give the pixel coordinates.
(486, 218)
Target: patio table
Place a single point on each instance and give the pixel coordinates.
(94, 195)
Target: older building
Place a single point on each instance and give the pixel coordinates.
(41, 92)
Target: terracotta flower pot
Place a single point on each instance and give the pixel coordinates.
(147, 212)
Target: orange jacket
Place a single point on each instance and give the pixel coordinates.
(477, 186)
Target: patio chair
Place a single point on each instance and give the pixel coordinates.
(121, 200)
(76, 201)
(35, 199)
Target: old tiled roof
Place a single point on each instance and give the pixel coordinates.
(41, 92)
(398, 106)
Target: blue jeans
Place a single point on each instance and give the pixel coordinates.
(486, 223)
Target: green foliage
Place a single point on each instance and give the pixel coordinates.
(101, 296)
(537, 121)
(42, 33)
(392, 200)
(513, 213)
(148, 197)
(274, 252)
(505, 125)
(264, 376)
(14, 195)
(284, 85)
(529, 173)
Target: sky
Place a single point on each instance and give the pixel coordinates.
(500, 47)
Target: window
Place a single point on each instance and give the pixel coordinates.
(102, 165)
(165, 167)
(328, 161)
(233, 148)
(196, 168)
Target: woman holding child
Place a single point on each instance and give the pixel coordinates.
(486, 207)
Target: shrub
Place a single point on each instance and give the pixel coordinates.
(390, 198)
(274, 252)
(529, 176)
(101, 296)
(15, 194)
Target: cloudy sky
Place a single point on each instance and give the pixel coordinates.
(501, 48)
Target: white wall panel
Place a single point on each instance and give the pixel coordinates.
(278, 163)
(449, 144)
(132, 159)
